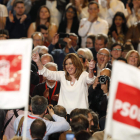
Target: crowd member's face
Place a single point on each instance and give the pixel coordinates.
(89, 43)
(45, 60)
(116, 52)
(73, 40)
(70, 14)
(124, 54)
(102, 56)
(3, 37)
(52, 69)
(45, 33)
(70, 68)
(136, 3)
(90, 119)
(93, 10)
(44, 13)
(37, 40)
(19, 9)
(99, 44)
(133, 59)
(118, 21)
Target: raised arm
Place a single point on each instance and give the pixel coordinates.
(91, 67)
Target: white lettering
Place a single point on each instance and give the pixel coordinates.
(118, 105)
(133, 112)
(125, 109)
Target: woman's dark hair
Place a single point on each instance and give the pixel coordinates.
(113, 26)
(75, 24)
(38, 15)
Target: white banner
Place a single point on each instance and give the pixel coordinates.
(123, 115)
(15, 61)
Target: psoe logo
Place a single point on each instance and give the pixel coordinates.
(10, 72)
(127, 105)
(4, 72)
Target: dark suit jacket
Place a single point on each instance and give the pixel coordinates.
(40, 88)
(97, 100)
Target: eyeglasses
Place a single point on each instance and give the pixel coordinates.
(103, 54)
(70, 12)
(114, 49)
(88, 43)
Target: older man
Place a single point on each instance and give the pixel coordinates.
(103, 56)
(50, 88)
(38, 39)
(45, 58)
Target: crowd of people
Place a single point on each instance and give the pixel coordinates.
(75, 43)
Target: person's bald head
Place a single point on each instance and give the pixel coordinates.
(46, 58)
(106, 72)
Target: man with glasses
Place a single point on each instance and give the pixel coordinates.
(116, 52)
(93, 24)
(103, 57)
(38, 39)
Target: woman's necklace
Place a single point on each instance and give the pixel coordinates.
(71, 82)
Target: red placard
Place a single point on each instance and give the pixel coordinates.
(127, 105)
(10, 72)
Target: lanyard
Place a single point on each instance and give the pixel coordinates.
(32, 117)
(52, 93)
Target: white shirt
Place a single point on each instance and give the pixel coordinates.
(108, 14)
(55, 14)
(70, 97)
(59, 125)
(3, 11)
(132, 19)
(100, 26)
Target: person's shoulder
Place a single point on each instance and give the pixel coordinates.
(102, 20)
(52, 26)
(83, 19)
(98, 135)
(40, 84)
(57, 51)
(84, 73)
(3, 6)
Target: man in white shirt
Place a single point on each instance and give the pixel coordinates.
(38, 110)
(108, 8)
(3, 15)
(93, 24)
(55, 14)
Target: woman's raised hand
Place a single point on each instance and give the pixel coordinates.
(91, 65)
(35, 57)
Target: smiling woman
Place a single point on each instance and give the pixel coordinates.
(133, 58)
(74, 81)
